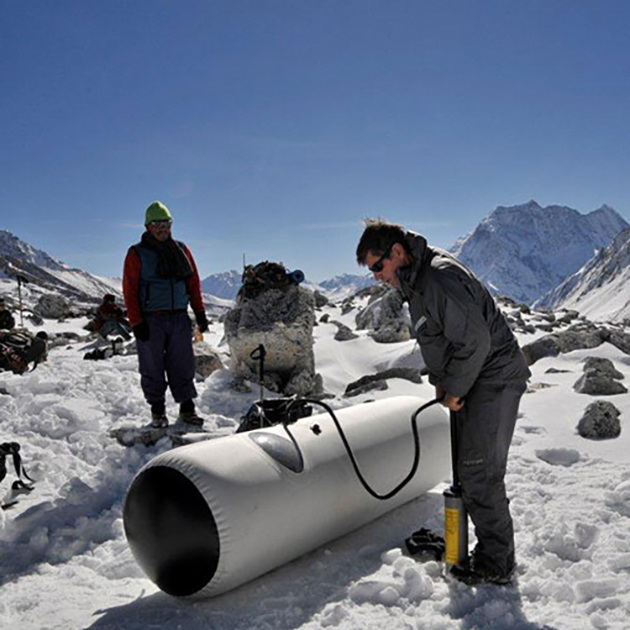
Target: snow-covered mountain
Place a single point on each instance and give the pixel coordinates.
(525, 251)
(345, 285)
(600, 289)
(45, 274)
(223, 285)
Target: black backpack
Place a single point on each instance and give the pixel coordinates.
(272, 411)
(19, 348)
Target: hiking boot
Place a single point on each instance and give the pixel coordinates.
(158, 415)
(480, 569)
(159, 420)
(188, 414)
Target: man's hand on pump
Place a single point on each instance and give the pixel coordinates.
(451, 402)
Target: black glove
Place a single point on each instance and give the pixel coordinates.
(141, 331)
(202, 321)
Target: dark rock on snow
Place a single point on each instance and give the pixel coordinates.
(600, 421)
(359, 386)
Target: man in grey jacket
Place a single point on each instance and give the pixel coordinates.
(474, 361)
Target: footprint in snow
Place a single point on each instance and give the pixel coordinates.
(559, 456)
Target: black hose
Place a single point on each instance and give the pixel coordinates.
(370, 490)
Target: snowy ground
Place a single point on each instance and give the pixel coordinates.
(66, 564)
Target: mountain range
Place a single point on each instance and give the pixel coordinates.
(525, 251)
(553, 257)
(226, 285)
(45, 274)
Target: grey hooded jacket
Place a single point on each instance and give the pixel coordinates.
(463, 336)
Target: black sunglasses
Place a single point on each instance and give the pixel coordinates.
(162, 222)
(377, 267)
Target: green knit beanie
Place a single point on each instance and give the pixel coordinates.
(157, 211)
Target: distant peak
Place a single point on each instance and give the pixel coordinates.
(606, 208)
(530, 205)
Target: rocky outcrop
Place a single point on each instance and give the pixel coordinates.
(375, 381)
(282, 321)
(604, 366)
(344, 333)
(577, 337)
(52, 306)
(600, 421)
(320, 299)
(600, 378)
(386, 316)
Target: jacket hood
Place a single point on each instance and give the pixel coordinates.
(419, 249)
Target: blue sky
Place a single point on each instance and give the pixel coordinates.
(271, 128)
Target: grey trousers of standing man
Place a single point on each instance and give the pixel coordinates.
(484, 433)
(167, 353)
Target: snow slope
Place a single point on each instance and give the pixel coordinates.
(66, 564)
(600, 290)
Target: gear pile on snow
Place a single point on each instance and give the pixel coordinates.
(19, 348)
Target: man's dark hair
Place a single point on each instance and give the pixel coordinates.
(378, 236)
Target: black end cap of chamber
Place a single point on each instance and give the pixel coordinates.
(171, 531)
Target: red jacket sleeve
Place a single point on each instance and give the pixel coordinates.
(131, 286)
(194, 285)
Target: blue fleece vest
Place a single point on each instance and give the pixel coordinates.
(156, 293)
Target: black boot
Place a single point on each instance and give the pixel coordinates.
(188, 414)
(158, 415)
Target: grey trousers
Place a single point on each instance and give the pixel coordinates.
(484, 432)
(168, 353)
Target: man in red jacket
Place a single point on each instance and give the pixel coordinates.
(160, 279)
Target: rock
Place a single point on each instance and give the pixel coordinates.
(535, 387)
(320, 300)
(346, 307)
(384, 306)
(599, 378)
(546, 316)
(545, 327)
(178, 433)
(304, 382)
(392, 332)
(376, 385)
(207, 360)
(598, 384)
(408, 373)
(603, 366)
(344, 333)
(567, 317)
(35, 319)
(282, 320)
(386, 316)
(324, 318)
(527, 328)
(620, 340)
(553, 370)
(600, 421)
(575, 338)
(52, 306)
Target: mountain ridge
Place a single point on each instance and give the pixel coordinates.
(524, 251)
